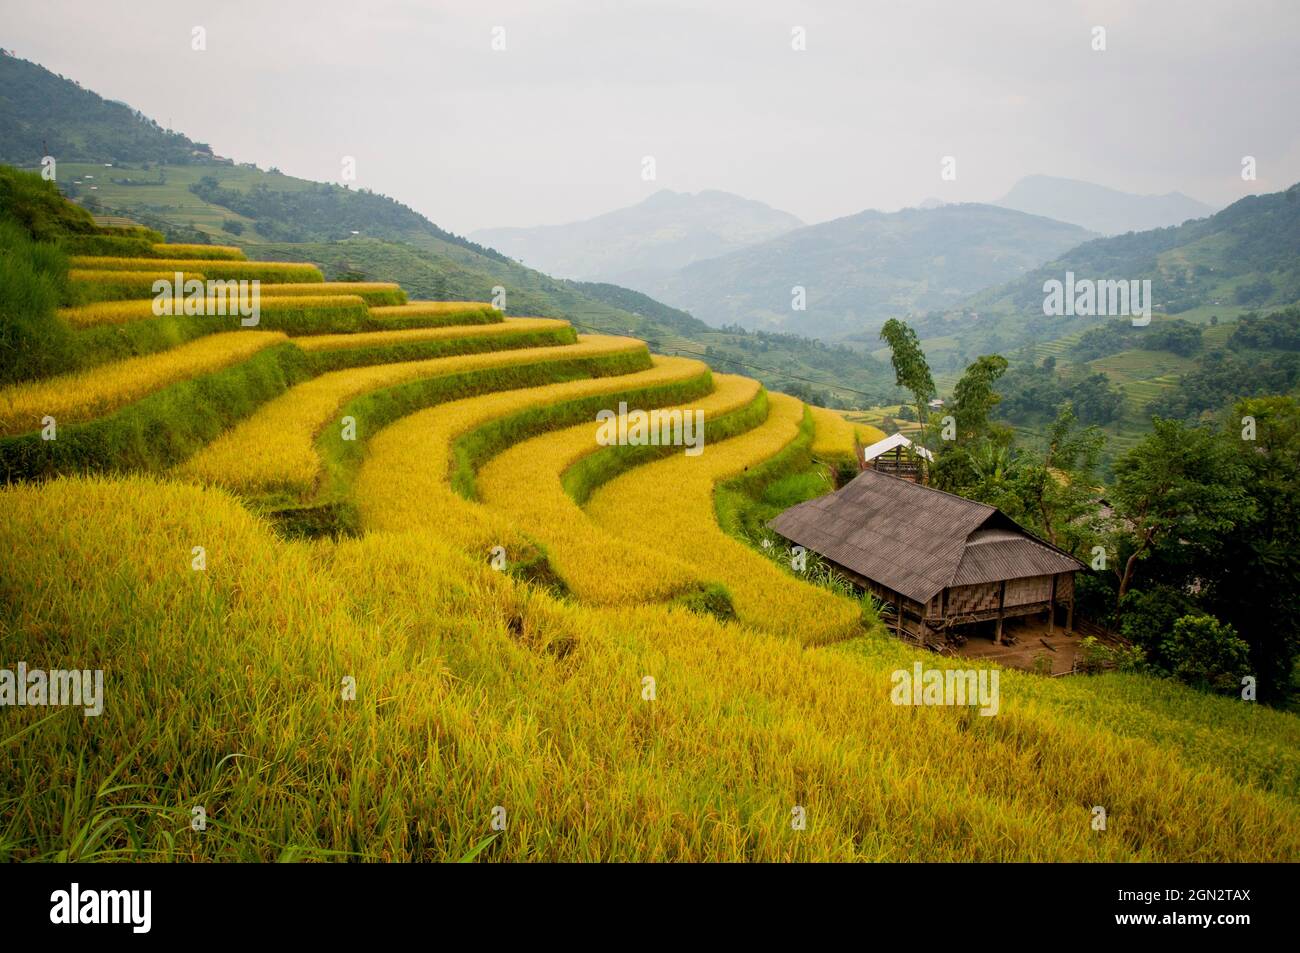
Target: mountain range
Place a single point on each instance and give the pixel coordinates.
(633, 246)
(968, 276)
(858, 271)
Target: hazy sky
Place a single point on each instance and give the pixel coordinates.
(554, 127)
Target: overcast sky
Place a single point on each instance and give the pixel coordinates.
(554, 127)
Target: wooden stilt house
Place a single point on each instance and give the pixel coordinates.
(942, 560)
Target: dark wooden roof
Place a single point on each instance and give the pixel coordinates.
(916, 540)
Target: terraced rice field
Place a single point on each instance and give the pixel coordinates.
(525, 485)
(94, 393)
(629, 681)
(668, 505)
(275, 449)
(124, 312)
(220, 269)
(406, 480)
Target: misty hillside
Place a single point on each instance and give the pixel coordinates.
(43, 114)
(629, 246)
(860, 270)
(1246, 256)
(1098, 208)
(357, 233)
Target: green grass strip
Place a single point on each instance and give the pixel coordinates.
(472, 449)
(159, 430)
(733, 498)
(378, 409)
(340, 358)
(595, 469)
(100, 344)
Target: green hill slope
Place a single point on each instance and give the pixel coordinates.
(860, 270)
(1244, 257)
(170, 183)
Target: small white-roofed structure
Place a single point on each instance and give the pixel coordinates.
(896, 455)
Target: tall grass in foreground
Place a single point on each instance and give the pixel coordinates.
(473, 692)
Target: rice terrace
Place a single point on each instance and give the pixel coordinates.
(330, 535)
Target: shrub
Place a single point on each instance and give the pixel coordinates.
(1204, 652)
(39, 209)
(1096, 656)
(1147, 617)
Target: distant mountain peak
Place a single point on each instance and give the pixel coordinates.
(665, 231)
(1100, 208)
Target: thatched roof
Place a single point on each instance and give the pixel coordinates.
(916, 540)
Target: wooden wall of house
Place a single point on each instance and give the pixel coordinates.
(934, 608)
(963, 600)
(1023, 592)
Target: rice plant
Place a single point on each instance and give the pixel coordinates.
(217, 269)
(84, 395)
(669, 505)
(275, 449)
(524, 484)
(88, 285)
(374, 293)
(475, 691)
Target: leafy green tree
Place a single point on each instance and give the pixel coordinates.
(1249, 575)
(973, 456)
(1148, 618)
(974, 397)
(1059, 490)
(1207, 653)
(911, 371)
(1179, 485)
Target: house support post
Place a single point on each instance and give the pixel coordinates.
(1002, 596)
(1051, 610)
